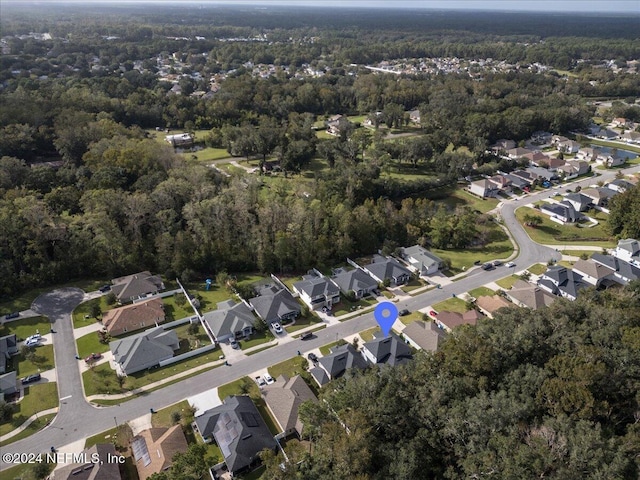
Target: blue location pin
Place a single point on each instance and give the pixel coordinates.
(386, 314)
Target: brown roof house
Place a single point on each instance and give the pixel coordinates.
(424, 335)
(449, 320)
(136, 286)
(283, 399)
(153, 449)
(490, 304)
(593, 273)
(134, 317)
(531, 296)
(99, 465)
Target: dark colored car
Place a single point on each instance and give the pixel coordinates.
(31, 378)
(477, 262)
(306, 336)
(235, 345)
(105, 288)
(93, 357)
(404, 312)
(10, 316)
(487, 266)
(313, 357)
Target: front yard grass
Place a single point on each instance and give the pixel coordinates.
(292, 367)
(82, 313)
(25, 327)
(537, 269)
(303, 322)
(481, 292)
(326, 349)
(508, 282)
(90, 343)
(412, 317)
(347, 306)
(35, 426)
(162, 418)
(23, 471)
(258, 338)
(367, 335)
(552, 233)
(412, 285)
(36, 399)
(42, 361)
(101, 379)
(451, 305)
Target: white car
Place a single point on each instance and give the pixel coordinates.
(277, 327)
(261, 381)
(268, 378)
(31, 342)
(509, 264)
(35, 336)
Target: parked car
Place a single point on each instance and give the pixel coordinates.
(93, 357)
(268, 378)
(35, 336)
(235, 345)
(487, 266)
(31, 342)
(433, 313)
(306, 336)
(497, 263)
(313, 357)
(31, 378)
(12, 315)
(404, 312)
(509, 264)
(277, 327)
(260, 381)
(105, 288)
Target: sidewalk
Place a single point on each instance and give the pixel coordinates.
(28, 422)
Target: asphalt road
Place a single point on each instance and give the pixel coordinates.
(77, 419)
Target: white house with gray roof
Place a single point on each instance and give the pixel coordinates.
(317, 291)
(389, 350)
(276, 305)
(628, 250)
(421, 260)
(382, 268)
(357, 281)
(230, 320)
(145, 350)
(136, 286)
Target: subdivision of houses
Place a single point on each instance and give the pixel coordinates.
(283, 398)
(136, 286)
(153, 449)
(136, 316)
(356, 282)
(144, 350)
(230, 321)
(421, 260)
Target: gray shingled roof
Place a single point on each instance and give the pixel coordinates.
(383, 268)
(136, 285)
(315, 286)
(340, 359)
(229, 318)
(389, 350)
(565, 279)
(354, 280)
(238, 429)
(285, 397)
(530, 295)
(103, 470)
(427, 335)
(144, 350)
(422, 257)
(273, 307)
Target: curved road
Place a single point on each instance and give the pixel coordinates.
(77, 419)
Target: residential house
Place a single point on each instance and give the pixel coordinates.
(414, 116)
(356, 282)
(231, 320)
(421, 260)
(153, 449)
(630, 137)
(579, 201)
(541, 137)
(424, 335)
(568, 146)
(8, 384)
(335, 364)
(517, 152)
(588, 154)
(518, 182)
(238, 430)
(556, 139)
(144, 350)
(283, 398)
(524, 176)
(559, 280)
(619, 122)
(611, 160)
(567, 171)
(592, 272)
(180, 140)
(503, 145)
(387, 269)
(450, 320)
(337, 124)
(624, 272)
(136, 286)
(105, 468)
(483, 188)
(8, 348)
(628, 250)
(599, 195)
(389, 350)
(491, 304)
(619, 185)
(552, 164)
(276, 305)
(134, 317)
(563, 212)
(538, 159)
(317, 291)
(502, 182)
(541, 174)
(530, 296)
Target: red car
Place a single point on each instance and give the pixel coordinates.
(93, 357)
(433, 314)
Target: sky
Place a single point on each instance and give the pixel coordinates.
(541, 6)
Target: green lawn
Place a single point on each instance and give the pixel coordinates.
(24, 301)
(463, 259)
(537, 269)
(481, 291)
(82, 313)
(258, 338)
(631, 148)
(26, 327)
(552, 233)
(346, 306)
(36, 399)
(451, 305)
(412, 285)
(292, 367)
(174, 311)
(412, 317)
(460, 197)
(162, 418)
(198, 340)
(367, 335)
(209, 299)
(326, 349)
(508, 282)
(303, 322)
(101, 379)
(23, 471)
(42, 361)
(35, 426)
(208, 154)
(119, 436)
(578, 253)
(90, 343)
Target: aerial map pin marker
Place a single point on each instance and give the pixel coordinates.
(386, 314)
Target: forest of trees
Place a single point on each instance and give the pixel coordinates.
(529, 394)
